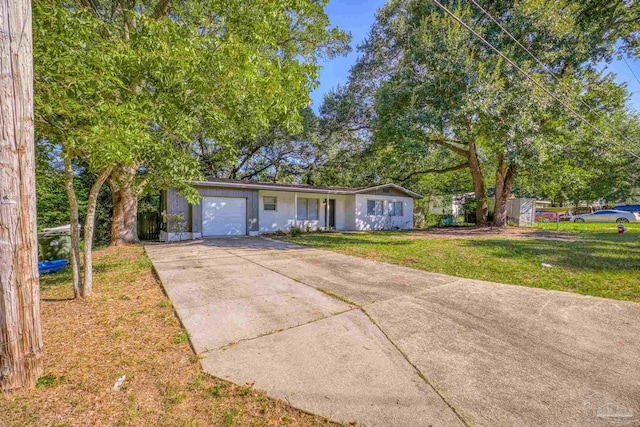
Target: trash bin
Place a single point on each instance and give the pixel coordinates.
(54, 243)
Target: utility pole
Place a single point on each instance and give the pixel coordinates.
(21, 362)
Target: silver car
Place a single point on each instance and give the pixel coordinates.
(607, 216)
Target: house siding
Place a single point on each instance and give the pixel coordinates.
(285, 215)
(176, 204)
(350, 213)
(366, 222)
(351, 210)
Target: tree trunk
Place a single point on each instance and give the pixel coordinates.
(89, 222)
(74, 221)
(479, 189)
(504, 182)
(124, 225)
(21, 361)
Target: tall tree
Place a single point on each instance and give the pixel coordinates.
(82, 106)
(125, 87)
(217, 71)
(274, 154)
(21, 361)
(427, 90)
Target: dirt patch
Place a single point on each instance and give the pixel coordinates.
(490, 232)
(128, 329)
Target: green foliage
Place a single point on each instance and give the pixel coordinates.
(274, 154)
(425, 88)
(134, 84)
(181, 337)
(46, 381)
(295, 231)
(52, 205)
(176, 223)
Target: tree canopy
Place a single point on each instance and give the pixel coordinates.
(427, 96)
(125, 88)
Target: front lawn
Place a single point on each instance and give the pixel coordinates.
(128, 331)
(591, 259)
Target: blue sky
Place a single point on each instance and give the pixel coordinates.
(357, 16)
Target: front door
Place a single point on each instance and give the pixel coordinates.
(331, 214)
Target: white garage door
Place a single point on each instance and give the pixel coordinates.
(224, 216)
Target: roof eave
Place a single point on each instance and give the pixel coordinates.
(396, 186)
(268, 187)
(302, 190)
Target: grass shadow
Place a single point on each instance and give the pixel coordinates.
(589, 254)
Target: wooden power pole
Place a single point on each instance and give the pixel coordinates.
(21, 360)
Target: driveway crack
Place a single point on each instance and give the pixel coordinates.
(372, 320)
(415, 368)
(275, 331)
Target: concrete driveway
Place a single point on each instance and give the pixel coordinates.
(353, 339)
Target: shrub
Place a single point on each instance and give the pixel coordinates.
(295, 231)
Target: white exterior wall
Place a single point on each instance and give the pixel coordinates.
(366, 222)
(178, 237)
(350, 213)
(285, 215)
(341, 211)
(280, 219)
(445, 206)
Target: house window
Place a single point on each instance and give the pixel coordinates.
(313, 209)
(395, 209)
(269, 203)
(374, 207)
(308, 209)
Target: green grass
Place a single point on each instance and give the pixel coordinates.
(590, 259)
(587, 227)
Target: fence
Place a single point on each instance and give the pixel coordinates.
(149, 226)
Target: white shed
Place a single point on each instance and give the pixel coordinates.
(521, 211)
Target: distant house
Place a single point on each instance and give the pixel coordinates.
(448, 205)
(237, 208)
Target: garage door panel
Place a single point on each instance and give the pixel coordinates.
(224, 216)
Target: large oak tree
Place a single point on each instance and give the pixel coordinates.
(126, 87)
(429, 97)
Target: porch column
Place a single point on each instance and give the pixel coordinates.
(295, 208)
(326, 213)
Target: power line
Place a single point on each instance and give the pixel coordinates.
(629, 67)
(535, 58)
(514, 65)
(549, 70)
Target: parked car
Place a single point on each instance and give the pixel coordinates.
(628, 208)
(544, 216)
(609, 215)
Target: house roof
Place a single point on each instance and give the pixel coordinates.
(303, 188)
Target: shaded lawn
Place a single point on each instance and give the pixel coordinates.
(592, 260)
(129, 328)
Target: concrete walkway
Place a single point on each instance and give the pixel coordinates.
(353, 339)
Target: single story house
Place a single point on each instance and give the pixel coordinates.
(238, 208)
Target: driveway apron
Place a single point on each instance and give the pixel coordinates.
(321, 354)
(359, 340)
